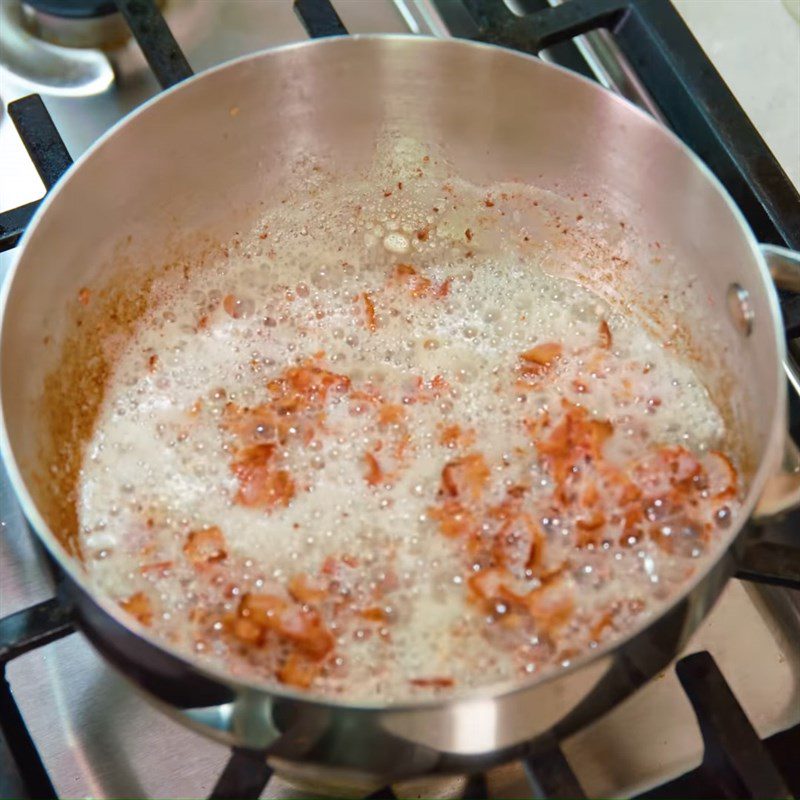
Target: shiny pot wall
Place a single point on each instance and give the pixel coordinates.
(201, 156)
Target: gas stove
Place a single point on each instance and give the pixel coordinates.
(723, 722)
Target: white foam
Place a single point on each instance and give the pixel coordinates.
(160, 455)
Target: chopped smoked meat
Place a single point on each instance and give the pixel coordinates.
(539, 360)
(454, 520)
(465, 477)
(369, 310)
(298, 671)
(436, 683)
(206, 546)
(138, 605)
(301, 627)
(261, 484)
(306, 590)
(374, 476)
(605, 335)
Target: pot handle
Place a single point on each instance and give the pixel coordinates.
(782, 491)
(783, 265)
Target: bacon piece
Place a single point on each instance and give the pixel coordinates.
(454, 520)
(453, 436)
(390, 414)
(303, 628)
(443, 289)
(488, 584)
(590, 528)
(606, 621)
(604, 334)
(405, 271)
(721, 474)
(373, 614)
(296, 408)
(539, 360)
(311, 382)
(419, 285)
(306, 590)
(306, 630)
(552, 606)
(369, 310)
(667, 468)
(432, 683)
(575, 439)
(258, 424)
(536, 426)
(519, 543)
(495, 585)
(591, 521)
(683, 467)
(298, 671)
(610, 614)
(156, 566)
(465, 477)
(260, 608)
(591, 495)
(337, 567)
(229, 304)
(617, 486)
(206, 546)
(247, 631)
(374, 476)
(427, 391)
(138, 605)
(261, 485)
(368, 395)
(299, 389)
(450, 436)
(401, 446)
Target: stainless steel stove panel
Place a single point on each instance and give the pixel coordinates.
(97, 735)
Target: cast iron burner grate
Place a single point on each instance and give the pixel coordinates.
(694, 101)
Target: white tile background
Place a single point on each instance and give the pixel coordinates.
(755, 45)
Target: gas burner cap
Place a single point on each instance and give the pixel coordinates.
(62, 71)
(73, 9)
(76, 23)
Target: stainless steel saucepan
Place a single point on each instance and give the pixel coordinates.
(190, 167)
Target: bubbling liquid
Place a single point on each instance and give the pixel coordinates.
(377, 451)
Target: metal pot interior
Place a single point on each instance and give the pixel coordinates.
(189, 169)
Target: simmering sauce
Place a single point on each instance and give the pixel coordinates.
(377, 451)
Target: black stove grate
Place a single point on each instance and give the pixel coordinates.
(696, 103)
(22, 773)
(245, 775)
(48, 154)
(156, 41)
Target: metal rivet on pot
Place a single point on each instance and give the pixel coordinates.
(740, 308)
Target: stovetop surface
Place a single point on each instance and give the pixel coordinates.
(98, 737)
